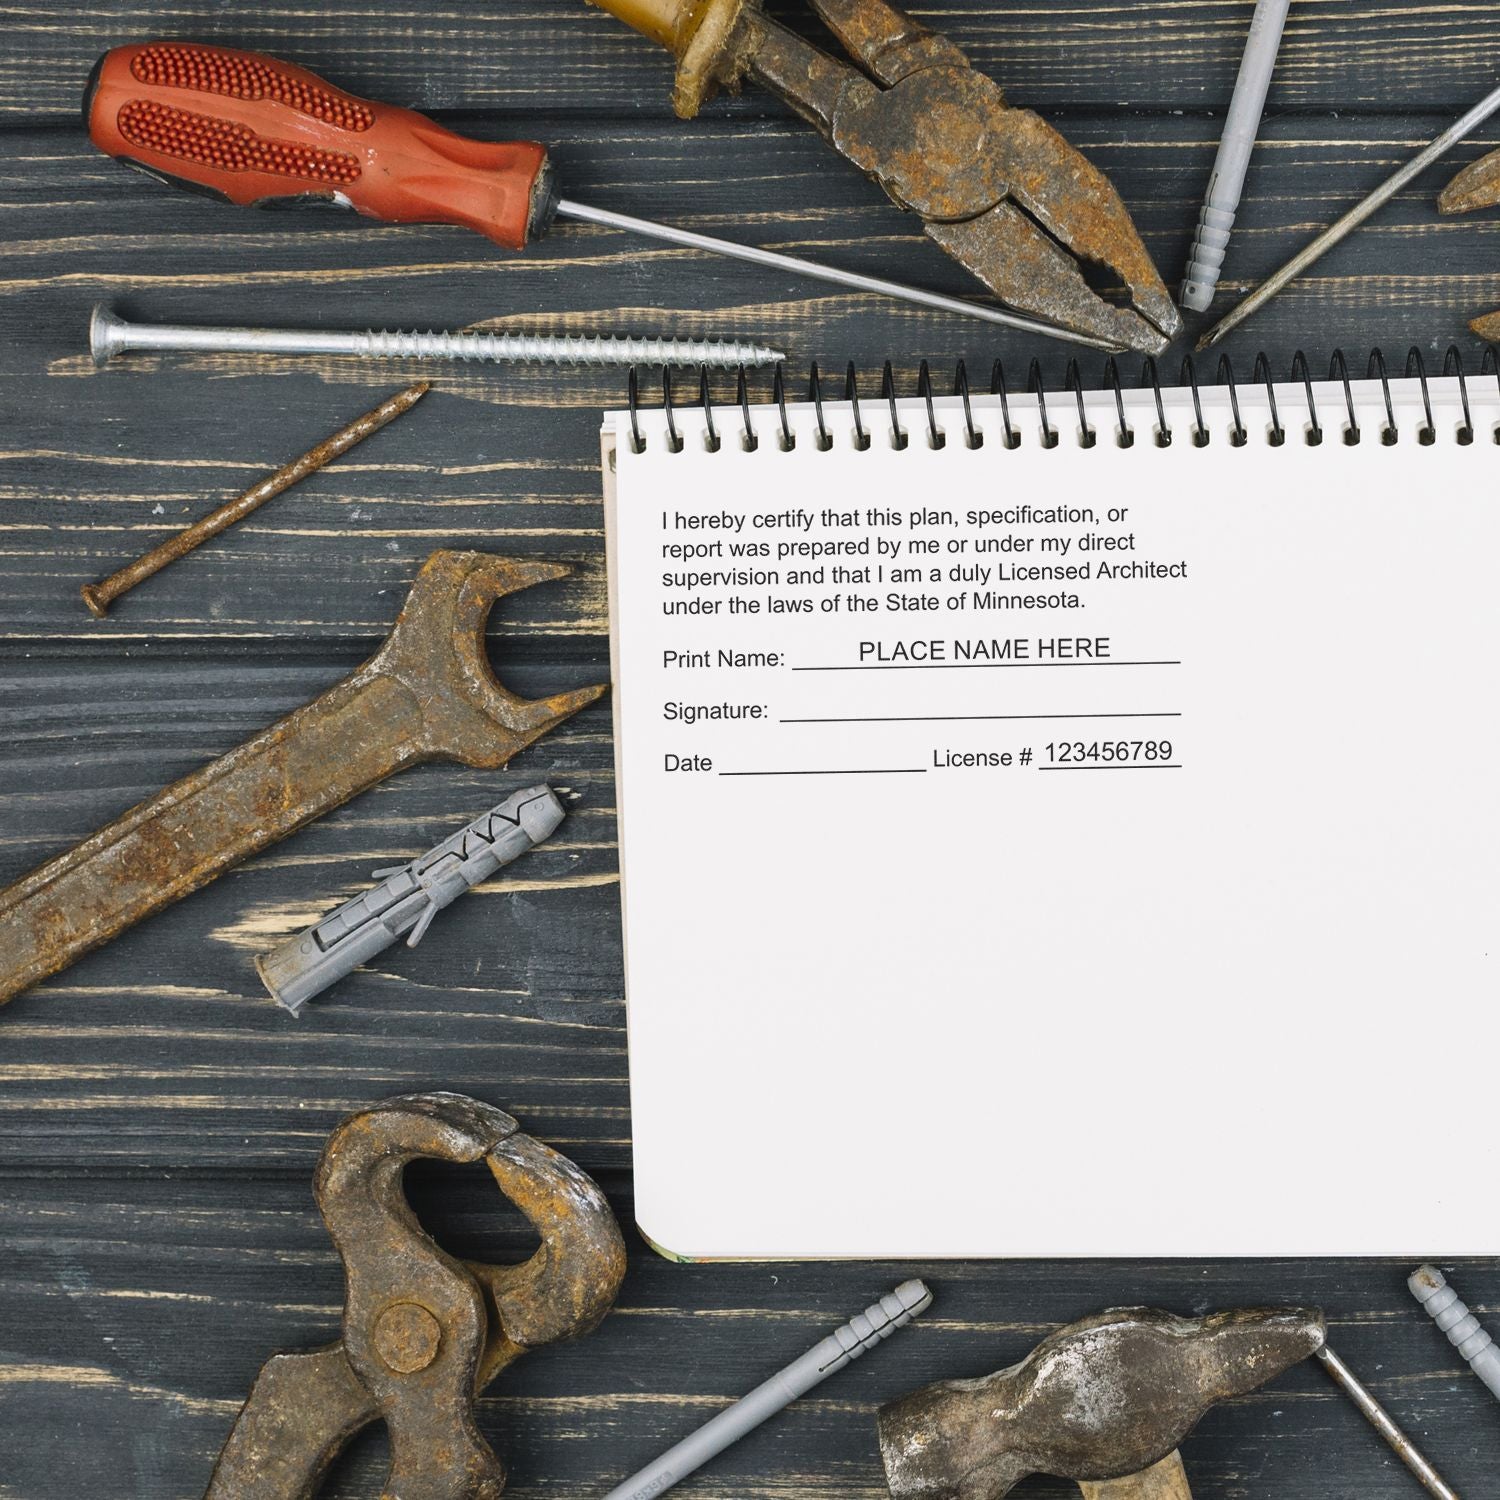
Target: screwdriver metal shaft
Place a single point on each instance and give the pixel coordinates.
(567, 209)
(1383, 1423)
(1351, 221)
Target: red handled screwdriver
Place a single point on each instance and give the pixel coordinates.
(256, 131)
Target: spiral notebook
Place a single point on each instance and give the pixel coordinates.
(1062, 824)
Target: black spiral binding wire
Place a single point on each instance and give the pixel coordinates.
(1124, 433)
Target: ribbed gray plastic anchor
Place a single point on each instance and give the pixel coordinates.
(877, 1322)
(407, 899)
(1430, 1287)
(1227, 181)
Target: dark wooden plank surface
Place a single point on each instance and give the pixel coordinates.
(159, 1118)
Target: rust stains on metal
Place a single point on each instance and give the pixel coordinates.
(997, 188)
(429, 693)
(1107, 1397)
(99, 596)
(423, 1333)
(1476, 187)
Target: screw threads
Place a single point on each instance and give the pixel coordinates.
(1443, 1305)
(535, 349)
(110, 335)
(881, 1319)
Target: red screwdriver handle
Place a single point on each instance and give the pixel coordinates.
(258, 131)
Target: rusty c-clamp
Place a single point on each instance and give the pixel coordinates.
(996, 187)
(423, 1333)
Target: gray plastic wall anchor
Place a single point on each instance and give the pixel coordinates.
(407, 898)
(1430, 1287)
(843, 1345)
(1227, 181)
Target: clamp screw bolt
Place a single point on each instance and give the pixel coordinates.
(407, 1337)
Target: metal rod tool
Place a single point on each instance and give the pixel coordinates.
(1385, 1424)
(566, 209)
(1353, 219)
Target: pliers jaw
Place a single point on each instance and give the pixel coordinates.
(1476, 187)
(423, 1333)
(1001, 191)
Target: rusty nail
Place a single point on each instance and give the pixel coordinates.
(99, 596)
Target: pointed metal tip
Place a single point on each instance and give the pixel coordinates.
(528, 572)
(561, 706)
(1163, 314)
(1131, 333)
(1208, 340)
(1158, 343)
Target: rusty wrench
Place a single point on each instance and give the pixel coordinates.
(429, 693)
(423, 1333)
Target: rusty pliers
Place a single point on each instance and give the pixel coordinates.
(1001, 191)
(423, 1333)
(1476, 187)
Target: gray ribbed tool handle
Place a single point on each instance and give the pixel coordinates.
(1227, 181)
(1430, 1287)
(845, 1344)
(407, 899)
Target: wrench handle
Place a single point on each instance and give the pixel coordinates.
(180, 839)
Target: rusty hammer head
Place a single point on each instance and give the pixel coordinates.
(1108, 1398)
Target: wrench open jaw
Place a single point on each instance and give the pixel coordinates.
(1001, 191)
(1476, 187)
(429, 693)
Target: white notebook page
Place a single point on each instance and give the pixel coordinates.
(1155, 917)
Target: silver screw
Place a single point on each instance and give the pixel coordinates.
(110, 335)
(1430, 1287)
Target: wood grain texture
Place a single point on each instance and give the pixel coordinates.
(159, 1116)
(562, 57)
